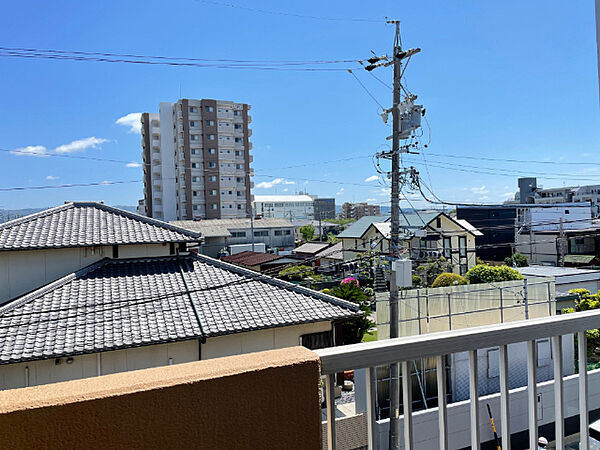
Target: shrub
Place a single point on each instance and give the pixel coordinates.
(492, 274)
(417, 281)
(350, 280)
(448, 279)
(516, 260)
(353, 330)
(580, 292)
(307, 232)
(296, 273)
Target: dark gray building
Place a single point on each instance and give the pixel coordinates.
(324, 208)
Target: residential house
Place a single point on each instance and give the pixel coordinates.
(424, 236)
(259, 262)
(331, 257)
(43, 247)
(219, 234)
(118, 315)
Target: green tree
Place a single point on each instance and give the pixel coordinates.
(296, 273)
(307, 232)
(353, 330)
(332, 238)
(432, 268)
(492, 274)
(448, 279)
(516, 260)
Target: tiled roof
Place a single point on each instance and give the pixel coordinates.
(81, 224)
(249, 258)
(334, 252)
(115, 304)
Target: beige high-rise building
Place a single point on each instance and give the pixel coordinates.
(196, 156)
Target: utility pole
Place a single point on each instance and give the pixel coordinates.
(406, 117)
(561, 244)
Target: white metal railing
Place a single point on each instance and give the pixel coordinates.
(406, 349)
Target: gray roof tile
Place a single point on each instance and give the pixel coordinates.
(116, 304)
(80, 224)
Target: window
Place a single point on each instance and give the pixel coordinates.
(230, 192)
(238, 139)
(239, 166)
(238, 234)
(213, 192)
(212, 178)
(238, 153)
(196, 179)
(314, 341)
(194, 137)
(261, 233)
(212, 165)
(240, 194)
(237, 113)
(463, 269)
(193, 109)
(438, 222)
(210, 109)
(213, 206)
(237, 126)
(195, 193)
(211, 151)
(282, 232)
(193, 123)
(211, 137)
(239, 206)
(195, 165)
(195, 207)
(230, 206)
(195, 151)
(567, 211)
(239, 180)
(447, 247)
(462, 246)
(210, 123)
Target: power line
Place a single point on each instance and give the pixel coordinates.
(64, 186)
(365, 88)
(289, 14)
(530, 161)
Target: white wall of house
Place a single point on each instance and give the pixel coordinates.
(33, 373)
(46, 371)
(24, 271)
(256, 341)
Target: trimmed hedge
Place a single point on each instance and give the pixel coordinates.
(492, 274)
(448, 279)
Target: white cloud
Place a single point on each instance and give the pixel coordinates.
(133, 121)
(371, 200)
(52, 177)
(585, 154)
(31, 150)
(479, 190)
(340, 192)
(275, 182)
(371, 178)
(508, 195)
(384, 192)
(285, 190)
(133, 164)
(80, 145)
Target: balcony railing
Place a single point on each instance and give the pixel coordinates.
(438, 345)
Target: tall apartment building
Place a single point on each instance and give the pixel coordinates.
(196, 156)
(358, 210)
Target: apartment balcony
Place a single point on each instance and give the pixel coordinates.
(224, 115)
(190, 405)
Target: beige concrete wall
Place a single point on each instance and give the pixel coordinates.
(261, 400)
(273, 338)
(34, 373)
(24, 271)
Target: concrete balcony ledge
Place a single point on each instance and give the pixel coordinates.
(258, 400)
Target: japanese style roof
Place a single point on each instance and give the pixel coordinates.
(83, 224)
(117, 304)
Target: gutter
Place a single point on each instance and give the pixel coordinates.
(187, 289)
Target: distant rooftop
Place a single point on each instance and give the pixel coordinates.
(249, 258)
(221, 227)
(282, 198)
(83, 224)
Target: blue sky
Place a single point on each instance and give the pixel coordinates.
(499, 79)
